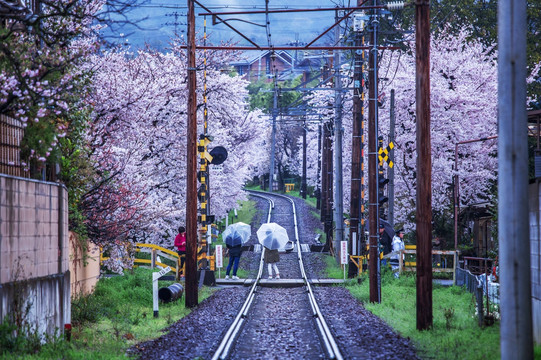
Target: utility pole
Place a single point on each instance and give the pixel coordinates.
(390, 170)
(303, 181)
(355, 208)
(327, 175)
(319, 160)
(273, 140)
(424, 166)
(338, 197)
(374, 264)
(191, 169)
(516, 338)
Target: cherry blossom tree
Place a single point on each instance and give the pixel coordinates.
(139, 132)
(463, 107)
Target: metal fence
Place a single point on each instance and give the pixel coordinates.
(11, 136)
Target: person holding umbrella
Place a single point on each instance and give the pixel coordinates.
(273, 237)
(234, 257)
(235, 236)
(271, 258)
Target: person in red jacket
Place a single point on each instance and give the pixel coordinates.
(180, 243)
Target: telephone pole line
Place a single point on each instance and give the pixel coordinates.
(424, 166)
(390, 170)
(374, 264)
(191, 168)
(338, 196)
(356, 209)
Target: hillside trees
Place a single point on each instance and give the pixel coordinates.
(139, 139)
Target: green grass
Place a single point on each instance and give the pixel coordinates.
(117, 315)
(456, 337)
(334, 270)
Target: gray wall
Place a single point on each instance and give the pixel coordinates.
(34, 253)
(535, 251)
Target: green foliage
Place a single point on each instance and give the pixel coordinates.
(76, 168)
(262, 94)
(455, 333)
(106, 323)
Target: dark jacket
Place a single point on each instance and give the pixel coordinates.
(271, 256)
(234, 251)
(386, 241)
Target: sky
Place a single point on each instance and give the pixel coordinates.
(161, 18)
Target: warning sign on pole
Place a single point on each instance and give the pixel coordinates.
(219, 260)
(343, 252)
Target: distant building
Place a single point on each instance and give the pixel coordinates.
(258, 65)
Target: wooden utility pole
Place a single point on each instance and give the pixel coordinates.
(372, 168)
(319, 166)
(273, 139)
(303, 181)
(354, 246)
(424, 166)
(390, 170)
(191, 168)
(516, 338)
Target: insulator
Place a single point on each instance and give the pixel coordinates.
(395, 5)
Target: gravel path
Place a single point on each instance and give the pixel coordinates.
(360, 334)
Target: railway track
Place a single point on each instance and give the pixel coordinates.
(285, 315)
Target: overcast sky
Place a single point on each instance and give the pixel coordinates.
(166, 16)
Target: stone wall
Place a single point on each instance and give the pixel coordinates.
(84, 267)
(34, 253)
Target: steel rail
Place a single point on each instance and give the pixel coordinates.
(222, 352)
(326, 334)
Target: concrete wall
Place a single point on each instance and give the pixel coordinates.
(535, 251)
(34, 252)
(84, 269)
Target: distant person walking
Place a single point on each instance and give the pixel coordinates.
(271, 258)
(180, 243)
(398, 244)
(234, 258)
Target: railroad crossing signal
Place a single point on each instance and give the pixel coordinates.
(383, 154)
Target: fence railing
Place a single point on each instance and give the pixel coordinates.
(444, 261)
(11, 136)
(478, 265)
(157, 252)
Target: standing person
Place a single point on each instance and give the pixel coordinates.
(180, 243)
(385, 241)
(271, 258)
(398, 244)
(234, 257)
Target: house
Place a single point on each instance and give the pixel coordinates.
(258, 65)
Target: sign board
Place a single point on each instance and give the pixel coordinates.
(219, 260)
(164, 271)
(343, 252)
(217, 168)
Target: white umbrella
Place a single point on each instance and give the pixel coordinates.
(272, 236)
(237, 234)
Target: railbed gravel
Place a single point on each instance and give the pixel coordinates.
(359, 333)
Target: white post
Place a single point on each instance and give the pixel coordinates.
(219, 260)
(344, 255)
(155, 277)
